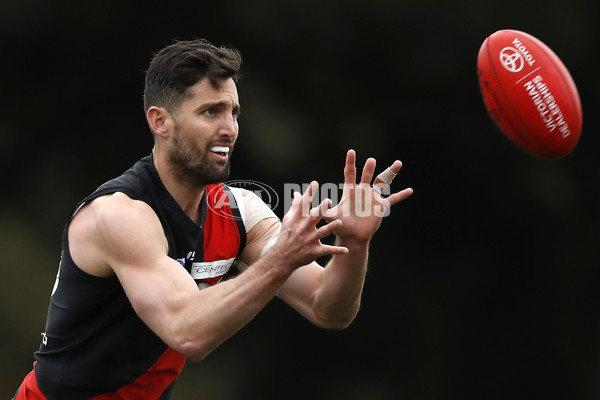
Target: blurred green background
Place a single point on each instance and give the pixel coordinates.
(483, 285)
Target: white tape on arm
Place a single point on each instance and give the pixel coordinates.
(242, 266)
(256, 210)
(270, 243)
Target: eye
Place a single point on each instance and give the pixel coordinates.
(236, 113)
(210, 111)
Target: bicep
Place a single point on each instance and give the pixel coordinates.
(158, 289)
(261, 225)
(259, 239)
(127, 236)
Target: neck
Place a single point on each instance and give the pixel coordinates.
(188, 197)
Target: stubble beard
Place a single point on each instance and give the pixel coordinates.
(192, 166)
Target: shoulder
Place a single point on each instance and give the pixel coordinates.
(110, 230)
(115, 212)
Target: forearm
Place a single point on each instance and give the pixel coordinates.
(338, 298)
(216, 313)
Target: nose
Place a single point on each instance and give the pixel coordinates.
(229, 126)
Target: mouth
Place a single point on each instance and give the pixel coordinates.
(221, 151)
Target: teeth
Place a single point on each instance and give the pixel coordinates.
(220, 149)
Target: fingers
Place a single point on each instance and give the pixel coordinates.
(326, 230)
(331, 250)
(307, 198)
(350, 168)
(399, 196)
(380, 184)
(320, 211)
(396, 166)
(305, 201)
(368, 171)
(302, 215)
(384, 179)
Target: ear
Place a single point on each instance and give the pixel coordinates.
(159, 120)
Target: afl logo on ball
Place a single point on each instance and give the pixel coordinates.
(511, 59)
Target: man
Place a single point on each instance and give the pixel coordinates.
(136, 293)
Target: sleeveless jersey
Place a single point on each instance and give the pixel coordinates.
(95, 346)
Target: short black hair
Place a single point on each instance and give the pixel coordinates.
(181, 65)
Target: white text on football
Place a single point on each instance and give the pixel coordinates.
(546, 105)
(524, 52)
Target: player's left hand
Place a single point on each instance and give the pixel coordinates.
(362, 206)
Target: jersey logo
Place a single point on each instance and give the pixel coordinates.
(208, 273)
(211, 269)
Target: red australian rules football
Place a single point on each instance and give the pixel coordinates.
(529, 94)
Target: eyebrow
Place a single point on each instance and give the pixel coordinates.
(219, 104)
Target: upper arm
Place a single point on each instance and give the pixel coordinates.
(115, 234)
(257, 239)
(261, 224)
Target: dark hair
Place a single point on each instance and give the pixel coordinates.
(181, 65)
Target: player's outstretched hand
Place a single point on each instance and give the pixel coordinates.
(299, 242)
(362, 206)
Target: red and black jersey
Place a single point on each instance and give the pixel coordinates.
(95, 346)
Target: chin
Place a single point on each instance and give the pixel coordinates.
(214, 175)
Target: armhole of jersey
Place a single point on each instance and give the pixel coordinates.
(239, 199)
(77, 208)
(100, 193)
(239, 213)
